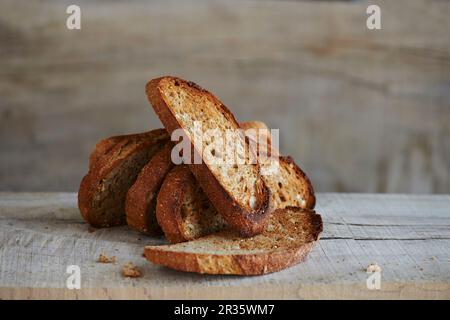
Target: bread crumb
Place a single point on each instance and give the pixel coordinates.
(373, 267)
(91, 229)
(131, 271)
(103, 258)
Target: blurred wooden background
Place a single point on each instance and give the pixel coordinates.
(360, 110)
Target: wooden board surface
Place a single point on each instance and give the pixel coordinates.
(408, 236)
(347, 99)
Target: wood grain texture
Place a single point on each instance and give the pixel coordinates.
(408, 236)
(359, 110)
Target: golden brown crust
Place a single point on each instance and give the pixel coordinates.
(257, 263)
(140, 203)
(246, 222)
(104, 146)
(244, 265)
(169, 203)
(83, 197)
(254, 124)
(102, 166)
(311, 200)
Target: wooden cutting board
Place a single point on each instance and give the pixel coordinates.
(41, 234)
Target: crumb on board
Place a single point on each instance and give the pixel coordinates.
(103, 258)
(131, 271)
(373, 267)
(91, 229)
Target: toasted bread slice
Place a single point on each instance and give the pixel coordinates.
(184, 212)
(286, 240)
(141, 197)
(237, 191)
(114, 166)
(290, 186)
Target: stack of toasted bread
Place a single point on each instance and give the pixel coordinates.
(221, 217)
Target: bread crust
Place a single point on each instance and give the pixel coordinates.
(140, 203)
(311, 201)
(248, 223)
(103, 164)
(170, 200)
(243, 265)
(104, 146)
(261, 262)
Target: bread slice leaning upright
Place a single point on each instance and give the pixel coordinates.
(184, 212)
(287, 239)
(114, 166)
(140, 204)
(236, 190)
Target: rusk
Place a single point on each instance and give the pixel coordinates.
(237, 191)
(114, 166)
(287, 239)
(140, 202)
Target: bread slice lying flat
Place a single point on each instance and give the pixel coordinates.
(114, 166)
(286, 240)
(237, 191)
(140, 203)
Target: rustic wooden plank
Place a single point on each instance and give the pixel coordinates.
(424, 218)
(45, 234)
(349, 101)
